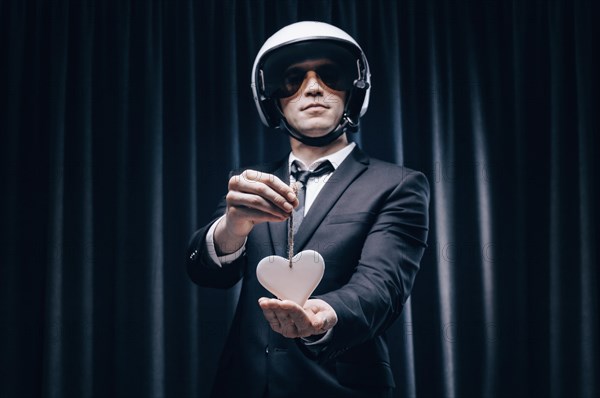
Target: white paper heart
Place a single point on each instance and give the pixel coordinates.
(296, 283)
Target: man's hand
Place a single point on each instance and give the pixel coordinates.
(254, 197)
(291, 320)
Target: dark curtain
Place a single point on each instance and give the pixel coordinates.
(119, 122)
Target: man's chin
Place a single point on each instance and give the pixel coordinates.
(315, 131)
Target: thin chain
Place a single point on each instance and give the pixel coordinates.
(291, 228)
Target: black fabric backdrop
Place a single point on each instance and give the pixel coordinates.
(121, 119)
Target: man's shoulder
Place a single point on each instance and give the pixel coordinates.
(391, 170)
(391, 176)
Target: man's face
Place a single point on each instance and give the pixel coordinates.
(315, 109)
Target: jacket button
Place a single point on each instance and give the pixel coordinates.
(267, 350)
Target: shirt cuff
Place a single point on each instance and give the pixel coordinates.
(212, 251)
(308, 341)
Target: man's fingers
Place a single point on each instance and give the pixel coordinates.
(312, 308)
(288, 318)
(252, 176)
(298, 316)
(255, 204)
(276, 304)
(280, 322)
(266, 186)
(324, 317)
(288, 328)
(272, 319)
(270, 315)
(323, 323)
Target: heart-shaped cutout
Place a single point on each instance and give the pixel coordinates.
(294, 283)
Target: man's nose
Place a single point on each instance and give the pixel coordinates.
(312, 84)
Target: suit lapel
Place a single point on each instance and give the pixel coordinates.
(353, 166)
(278, 230)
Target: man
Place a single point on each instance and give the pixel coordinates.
(367, 218)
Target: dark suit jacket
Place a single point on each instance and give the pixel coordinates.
(370, 224)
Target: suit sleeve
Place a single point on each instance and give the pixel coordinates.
(375, 294)
(202, 269)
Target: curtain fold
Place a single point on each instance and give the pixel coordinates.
(119, 124)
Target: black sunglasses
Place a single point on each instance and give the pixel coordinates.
(288, 84)
(332, 75)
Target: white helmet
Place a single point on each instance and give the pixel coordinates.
(310, 40)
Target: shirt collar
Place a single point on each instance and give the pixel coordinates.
(335, 158)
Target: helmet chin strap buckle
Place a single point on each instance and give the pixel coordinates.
(352, 124)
